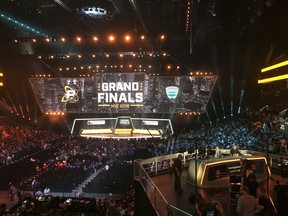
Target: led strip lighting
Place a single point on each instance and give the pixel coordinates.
(272, 79)
(281, 64)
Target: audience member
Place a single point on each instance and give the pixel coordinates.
(246, 204)
(195, 209)
(281, 190)
(222, 202)
(217, 152)
(234, 151)
(263, 202)
(46, 191)
(252, 184)
(177, 173)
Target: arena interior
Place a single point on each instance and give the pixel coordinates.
(143, 107)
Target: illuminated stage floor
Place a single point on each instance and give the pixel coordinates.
(165, 183)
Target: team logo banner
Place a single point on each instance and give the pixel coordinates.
(172, 92)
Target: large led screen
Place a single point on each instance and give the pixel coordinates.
(124, 93)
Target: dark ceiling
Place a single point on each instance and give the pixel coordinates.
(231, 38)
(209, 20)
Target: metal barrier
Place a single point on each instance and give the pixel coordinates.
(158, 201)
(157, 165)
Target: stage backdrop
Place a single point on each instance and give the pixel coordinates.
(124, 93)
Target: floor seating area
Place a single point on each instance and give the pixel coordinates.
(118, 179)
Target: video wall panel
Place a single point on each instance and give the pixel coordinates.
(124, 93)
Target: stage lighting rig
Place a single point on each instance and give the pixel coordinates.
(98, 10)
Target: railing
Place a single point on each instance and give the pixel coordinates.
(158, 165)
(158, 201)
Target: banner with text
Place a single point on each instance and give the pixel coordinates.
(124, 93)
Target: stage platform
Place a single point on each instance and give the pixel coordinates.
(165, 183)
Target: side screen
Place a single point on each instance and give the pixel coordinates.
(123, 93)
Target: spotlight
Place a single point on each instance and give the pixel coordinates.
(162, 37)
(111, 38)
(78, 39)
(127, 38)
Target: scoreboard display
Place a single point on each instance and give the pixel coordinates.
(124, 93)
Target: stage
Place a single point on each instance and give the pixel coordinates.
(165, 183)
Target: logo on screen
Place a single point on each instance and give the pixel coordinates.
(172, 92)
(70, 95)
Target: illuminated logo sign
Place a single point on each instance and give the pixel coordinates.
(172, 92)
(70, 95)
(120, 92)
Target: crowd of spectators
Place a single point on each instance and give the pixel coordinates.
(17, 142)
(254, 130)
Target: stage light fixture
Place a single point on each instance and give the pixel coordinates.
(95, 38)
(127, 38)
(142, 37)
(63, 39)
(78, 39)
(111, 38)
